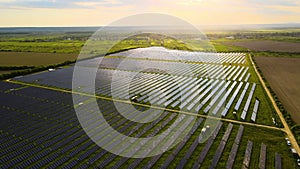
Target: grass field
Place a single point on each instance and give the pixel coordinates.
(42, 47)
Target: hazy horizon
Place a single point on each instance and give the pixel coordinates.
(24, 13)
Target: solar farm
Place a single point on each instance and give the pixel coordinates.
(40, 128)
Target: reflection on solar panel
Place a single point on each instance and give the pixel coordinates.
(244, 73)
(216, 97)
(221, 147)
(255, 110)
(203, 94)
(180, 145)
(248, 77)
(218, 107)
(243, 116)
(207, 146)
(238, 104)
(262, 157)
(278, 164)
(188, 154)
(247, 157)
(164, 54)
(238, 73)
(234, 148)
(227, 107)
(210, 95)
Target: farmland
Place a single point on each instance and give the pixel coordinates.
(283, 75)
(33, 59)
(263, 45)
(215, 85)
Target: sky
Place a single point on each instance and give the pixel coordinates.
(103, 12)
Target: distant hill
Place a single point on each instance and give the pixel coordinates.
(93, 29)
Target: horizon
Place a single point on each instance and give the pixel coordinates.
(39, 13)
(230, 26)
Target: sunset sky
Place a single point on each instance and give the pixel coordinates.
(103, 12)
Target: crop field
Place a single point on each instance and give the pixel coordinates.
(33, 59)
(268, 45)
(283, 74)
(40, 127)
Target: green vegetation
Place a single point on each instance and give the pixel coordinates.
(221, 47)
(276, 54)
(280, 34)
(42, 47)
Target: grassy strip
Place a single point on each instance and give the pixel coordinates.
(16, 67)
(276, 54)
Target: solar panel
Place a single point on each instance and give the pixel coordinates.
(238, 104)
(221, 147)
(231, 100)
(217, 97)
(244, 73)
(232, 156)
(243, 116)
(255, 111)
(247, 158)
(207, 146)
(248, 77)
(223, 100)
(215, 89)
(238, 73)
(233, 73)
(278, 163)
(262, 157)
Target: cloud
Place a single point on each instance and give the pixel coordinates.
(60, 4)
(273, 2)
(97, 12)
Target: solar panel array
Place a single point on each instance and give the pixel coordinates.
(217, 83)
(55, 139)
(190, 81)
(160, 53)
